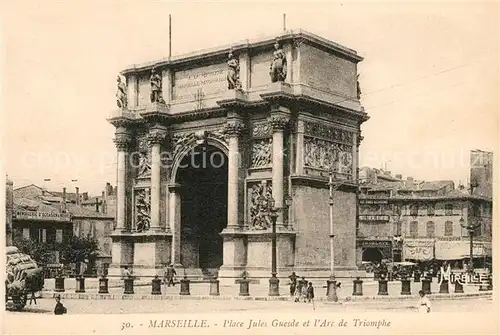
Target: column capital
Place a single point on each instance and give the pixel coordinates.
(156, 136)
(174, 187)
(122, 141)
(234, 128)
(279, 122)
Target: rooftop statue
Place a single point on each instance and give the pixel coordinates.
(121, 93)
(233, 73)
(278, 64)
(156, 87)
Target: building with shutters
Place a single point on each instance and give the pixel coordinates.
(409, 220)
(46, 217)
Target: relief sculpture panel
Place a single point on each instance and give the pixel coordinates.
(326, 155)
(259, 218)
(262, 152)
(142, 209)
(143, 158)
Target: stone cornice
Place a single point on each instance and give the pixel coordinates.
(221, 52)
(322, 182)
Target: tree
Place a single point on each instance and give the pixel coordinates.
(41, 252)
(77, 249)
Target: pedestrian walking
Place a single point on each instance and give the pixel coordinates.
(169, 275)
(310, 293)
(126, 272)
(83, 267)
(424, 304)
(293, 284)
(59, 308)
(303, 293)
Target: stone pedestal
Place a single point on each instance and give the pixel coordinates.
(151, 253)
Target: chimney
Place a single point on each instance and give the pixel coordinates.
(104, 203)
(399, 176)
(77, 196)
(97, 204)
(63, 207)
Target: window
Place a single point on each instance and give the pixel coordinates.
(414, 229)
(42, 235)
(448, 209)
(448, 228)
(431, 230)
(430, 209)
(26, 233)
(414, 210)
(59, 235)
(397, 210)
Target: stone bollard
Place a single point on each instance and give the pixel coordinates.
(426, 285)
(244, 287)
(59, 284)
(382, 286)
(405, 286)
(129, 285)
(103, 285)
(156, 286)
(417, 276)
(459, 288)
(214, 287)
(185, 286)
(443, 287)
(357, 287)
(80, 284)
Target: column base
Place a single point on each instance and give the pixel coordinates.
(274, 287)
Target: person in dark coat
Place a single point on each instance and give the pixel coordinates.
(293, 283)
(59, 309)
(170, 275)
(310, 292)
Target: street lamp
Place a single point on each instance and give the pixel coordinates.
(268, 204)
(331, 283)
(471, 227)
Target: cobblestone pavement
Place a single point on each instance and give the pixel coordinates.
(46, 306)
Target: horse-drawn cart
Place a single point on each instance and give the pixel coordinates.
(23, 279)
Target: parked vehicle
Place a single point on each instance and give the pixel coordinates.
(23, 278)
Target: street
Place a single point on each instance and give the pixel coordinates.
(46, 306)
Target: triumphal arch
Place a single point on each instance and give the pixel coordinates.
(203, 138)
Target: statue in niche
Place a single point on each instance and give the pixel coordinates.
(233, 73)
(358, 88)
(259, 216)
(143, 209)
(121, 93)
(278, 64)
(156, 87)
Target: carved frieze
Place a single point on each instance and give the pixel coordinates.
(328, 132)
(181, 141)
(219, 134)
(259, 217)
(142, 210)
(262, 129)
(262, 152)
(327, 155)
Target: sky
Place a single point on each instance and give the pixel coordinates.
(430, 77)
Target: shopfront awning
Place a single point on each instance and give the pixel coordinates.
(449, 250)
(418, 249)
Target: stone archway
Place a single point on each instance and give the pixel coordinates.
(201, 174)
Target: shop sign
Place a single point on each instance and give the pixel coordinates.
(45, 216)
(374, 217)
(448, 250)
(374, 244)
(373, 202)
(422, 250)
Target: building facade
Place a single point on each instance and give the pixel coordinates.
(276, 115)
(43, 216)
(408, 220)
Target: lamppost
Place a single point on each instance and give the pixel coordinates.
(268, 204)
(471, 227)
(332, 283)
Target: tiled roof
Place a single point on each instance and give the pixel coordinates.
(42, 206)
(84, 212)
